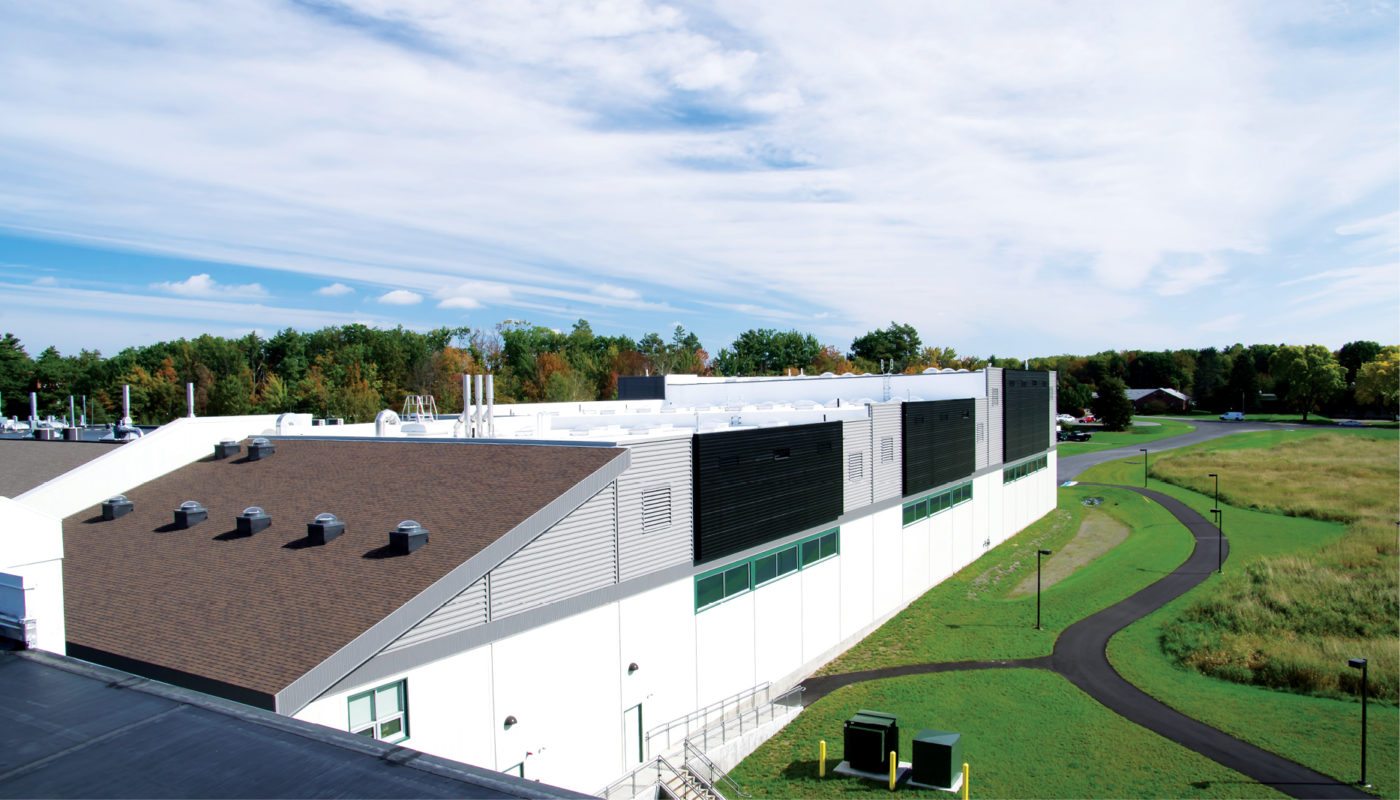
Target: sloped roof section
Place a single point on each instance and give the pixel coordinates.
(245, 617)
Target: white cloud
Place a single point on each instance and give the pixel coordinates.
(47, 280)
(616, 292)
(202, 285)
(335, 290)
(400, 297)
(863, 163)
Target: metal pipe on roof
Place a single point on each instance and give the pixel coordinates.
(189, 399)
(491, 406)
(72, 414)
(478, 410)
(126, 405)
(33, 409)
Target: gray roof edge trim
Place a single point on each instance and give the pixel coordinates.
(384, 665)
(312, 684)
(345, 740)
(292, 437)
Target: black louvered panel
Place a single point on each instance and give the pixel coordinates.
(939, 443)
(752, 487)
(1026, 414)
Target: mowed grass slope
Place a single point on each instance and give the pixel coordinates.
(1025, 733)
(1136, 435)
(977, 614)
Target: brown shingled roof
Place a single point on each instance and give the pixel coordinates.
(258, 612)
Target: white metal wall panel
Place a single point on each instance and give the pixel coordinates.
(466, 610)
(858, 475)
(664, 462)
(887, 451)
(980, 443)
(573, 557)
(995, 406)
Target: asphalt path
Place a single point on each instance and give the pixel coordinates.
(1080, 653)
(1069, 467)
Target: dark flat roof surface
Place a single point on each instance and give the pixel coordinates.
(26, 463)
(255, 613)
(69, 729)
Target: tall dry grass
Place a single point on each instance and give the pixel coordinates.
(1291, 622)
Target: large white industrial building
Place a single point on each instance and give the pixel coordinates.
(591, 571)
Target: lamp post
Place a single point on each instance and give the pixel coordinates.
(1219, 539)
(1217, 488)
(1038, 554)
(1144, 466)
(1360, 663)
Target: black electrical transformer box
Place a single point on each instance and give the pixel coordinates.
(870, 737)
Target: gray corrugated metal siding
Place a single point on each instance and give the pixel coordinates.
(655, 464)
(888, 456)
(466, 610)
(995, 405)
(855, 447)
(573, 557)
(1054, 405)
(980, 405)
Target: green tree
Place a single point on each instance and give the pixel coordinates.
(764, 351)
(16, 375)
(1243, 384)
(1071, 396)
(1210, 378)
(1312, 373)
(1378, 380)
(898, 343)
(1112, 406)
(1354, 354)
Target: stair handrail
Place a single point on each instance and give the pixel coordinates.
(721, 728)
(657, 764)
(736, 700)
(716, 775)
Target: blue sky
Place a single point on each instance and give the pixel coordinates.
(1015, 178)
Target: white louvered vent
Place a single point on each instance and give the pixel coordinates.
(887, 450)
(656, 508)
(855, 467)
(996, 395)
(981, 431)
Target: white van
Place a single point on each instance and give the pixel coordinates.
(1232, 416)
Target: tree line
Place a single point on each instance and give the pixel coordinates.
(354, 371)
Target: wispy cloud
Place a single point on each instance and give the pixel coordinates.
(400, 297)
(335, 290)
(202, 285)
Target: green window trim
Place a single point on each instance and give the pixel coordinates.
(935, 503)
(380, 713)
(1018, 471)
(731, 580)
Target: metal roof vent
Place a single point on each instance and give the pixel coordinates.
(226, 448)
(324, 528)
(260, 448)
(190, 513)
(252, 520)
(407, 537)
(118, 506)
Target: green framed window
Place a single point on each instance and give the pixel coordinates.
(1019, 471)
(933, 504)
(381, 713)
(733, 579)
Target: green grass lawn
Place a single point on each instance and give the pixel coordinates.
(1317, 731)
(1136, 435)
(1025, 733)
(1250, 416)
(970, 615)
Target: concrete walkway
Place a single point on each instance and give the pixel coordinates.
(1080, 653)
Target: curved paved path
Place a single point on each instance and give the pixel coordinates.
(1080, 655)
(1067, 468)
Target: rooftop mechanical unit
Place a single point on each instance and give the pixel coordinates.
(407, 537)
(324, 528)
(259, 449)
(870, 737)
(190, 513)
(228, 448)
(118, 506)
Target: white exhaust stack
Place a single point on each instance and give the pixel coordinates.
(72, 414)
(126, 406)
(491, 406)
(189, 399)
(33, 409)
(478, 409)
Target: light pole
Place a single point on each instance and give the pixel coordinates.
(1038, 554)
(1360, 663)
(1219, 539)
(1217, 488)
(1144, 466)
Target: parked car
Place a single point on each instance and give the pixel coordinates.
(1232, 416)
(1087, 418)
(1351, 423)
(1073, 436)
(1065, 419)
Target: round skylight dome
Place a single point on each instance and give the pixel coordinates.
(260, 442)
(409, 525)
(229, 442)
(253, 511)
(326, 518)
(191, 505)
(121, 498)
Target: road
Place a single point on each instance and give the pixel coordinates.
(1069, 467)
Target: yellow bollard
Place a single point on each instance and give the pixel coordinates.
(967, 780)
(894, 767)
(821, 762)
